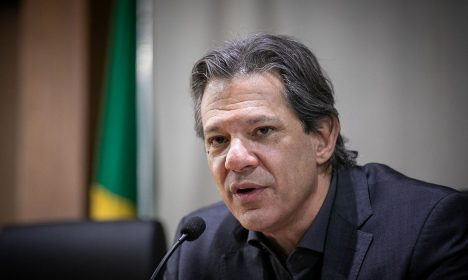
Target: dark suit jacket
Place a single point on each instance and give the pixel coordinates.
(383, 225)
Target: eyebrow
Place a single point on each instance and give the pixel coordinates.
(251, 121)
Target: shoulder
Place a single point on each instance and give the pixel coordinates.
(392, 193)
(216, 217)
(218, 221)
(387, 195)
(221, 235)
(441, 249)
(421, 225)
(385, 181)
(220, 225)
(211, 212)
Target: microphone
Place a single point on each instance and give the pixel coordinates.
(190, 231)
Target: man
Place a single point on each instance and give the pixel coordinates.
(296, 205)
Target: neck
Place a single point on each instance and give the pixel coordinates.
(285, 240)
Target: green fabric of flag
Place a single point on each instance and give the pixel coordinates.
(113, 190)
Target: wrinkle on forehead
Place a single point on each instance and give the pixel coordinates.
(228, 104)
(222, 86)
(245, 86)
(247, 95)
(248, 115)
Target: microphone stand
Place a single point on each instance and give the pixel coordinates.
(181, 240)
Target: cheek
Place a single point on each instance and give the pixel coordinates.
(219, 174)
(216, 166)
(293, 165)
(284, 161)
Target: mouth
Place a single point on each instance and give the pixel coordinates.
(247, 193)
(244, 188)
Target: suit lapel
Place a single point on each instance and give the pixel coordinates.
(346, 245)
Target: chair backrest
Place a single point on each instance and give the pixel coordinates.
(81, 250)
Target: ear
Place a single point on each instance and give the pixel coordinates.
(327, 132)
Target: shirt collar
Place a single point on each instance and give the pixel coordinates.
(314, 237)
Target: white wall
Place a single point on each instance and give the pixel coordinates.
(398, 68)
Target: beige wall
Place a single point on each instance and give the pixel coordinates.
(44, 125)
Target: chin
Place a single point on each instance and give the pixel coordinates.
(254, 220)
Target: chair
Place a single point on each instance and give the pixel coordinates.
(114, 250)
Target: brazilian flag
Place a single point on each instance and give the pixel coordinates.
(113, 190)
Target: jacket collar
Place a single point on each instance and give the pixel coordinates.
(346, 244)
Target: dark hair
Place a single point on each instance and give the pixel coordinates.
(307, 91)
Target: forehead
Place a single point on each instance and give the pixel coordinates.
(257, 96)
(242, 91)
(266, 82)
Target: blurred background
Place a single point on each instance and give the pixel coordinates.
(398, 68)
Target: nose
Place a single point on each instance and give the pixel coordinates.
(239, 158)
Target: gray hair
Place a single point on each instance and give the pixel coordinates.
(307, 91)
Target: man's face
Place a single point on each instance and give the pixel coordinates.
(263, 163)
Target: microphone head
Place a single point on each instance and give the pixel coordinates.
(193, 228)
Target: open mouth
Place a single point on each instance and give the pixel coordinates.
(245, 191)
(248, 195)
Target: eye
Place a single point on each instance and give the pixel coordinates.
(216, 141)
(263, 131)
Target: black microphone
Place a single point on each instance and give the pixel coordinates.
(190, 231)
